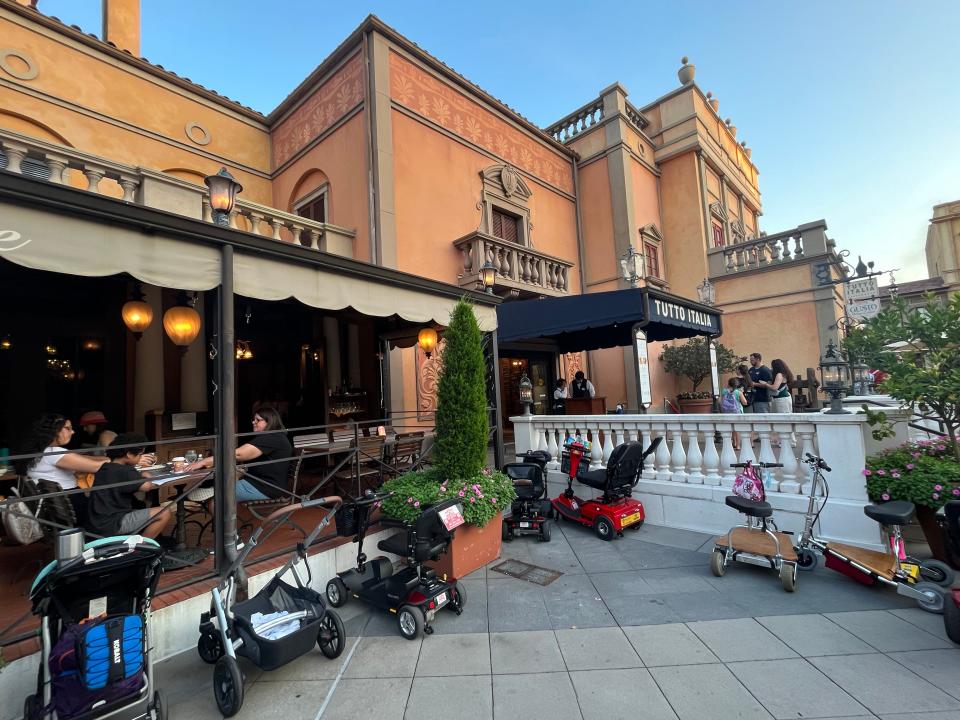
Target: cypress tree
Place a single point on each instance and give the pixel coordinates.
(462, 429)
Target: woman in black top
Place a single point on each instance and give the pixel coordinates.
(262, 482)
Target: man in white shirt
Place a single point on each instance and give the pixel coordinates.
(560, 397)
(581, 387)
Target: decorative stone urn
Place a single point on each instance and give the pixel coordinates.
(731, 127)
(686, 72)
(714, 103)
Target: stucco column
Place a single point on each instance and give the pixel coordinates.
(331, 341)
(704, 204)
(148, 372)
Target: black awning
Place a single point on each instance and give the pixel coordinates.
(605, 319)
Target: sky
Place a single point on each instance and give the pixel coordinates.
(851, 107)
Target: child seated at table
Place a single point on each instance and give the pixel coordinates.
(111, 510)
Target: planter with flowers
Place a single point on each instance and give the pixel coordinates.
(925, 473)
(460, 454)
(692, 361)
(695, 402)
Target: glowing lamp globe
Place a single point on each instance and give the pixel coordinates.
(137, 316)
(427, 340)
(182, 325)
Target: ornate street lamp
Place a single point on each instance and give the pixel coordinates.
(631, 265)
(488, 277)
(706, 292)
(834, 379)
(182, 324)
(137, 315)
(223, 194)
(427, 340)
(861, 377)
(526, 393)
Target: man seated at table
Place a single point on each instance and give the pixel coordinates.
(111, 510)
(269, 445)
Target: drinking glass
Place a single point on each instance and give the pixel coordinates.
(190, 456)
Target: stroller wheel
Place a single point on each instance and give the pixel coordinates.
(228, 686)
(410, 620)
(158, 710)
(337, 592)
(209, 648)
(331, 638)
(31, 708)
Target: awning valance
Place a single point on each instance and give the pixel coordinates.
(605, 319)
(34, 238)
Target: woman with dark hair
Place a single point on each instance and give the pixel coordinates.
(780, 399)
(50, 435)
(269, 443)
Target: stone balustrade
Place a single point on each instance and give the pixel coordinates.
(518, 267)
(767, 251)
(686, 480)
(577, 122)
(55, 163)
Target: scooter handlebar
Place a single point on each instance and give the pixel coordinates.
(818, 461)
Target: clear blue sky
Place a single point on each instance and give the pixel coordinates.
(851, 107)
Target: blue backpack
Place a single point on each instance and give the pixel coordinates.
(96, 663)
(729, 402)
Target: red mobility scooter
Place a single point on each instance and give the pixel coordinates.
(614, 510)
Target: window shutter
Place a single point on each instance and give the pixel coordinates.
(505, 227)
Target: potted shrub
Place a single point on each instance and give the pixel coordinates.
(925, 473)
(460, 453)
(692, 361)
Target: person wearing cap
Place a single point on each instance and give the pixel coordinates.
(92, 423)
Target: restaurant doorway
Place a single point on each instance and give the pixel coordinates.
(540, 368)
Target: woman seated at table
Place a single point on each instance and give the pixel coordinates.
(50, 435)
(263, 482)
(111, 510)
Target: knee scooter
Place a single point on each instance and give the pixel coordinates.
(414, 594)
(920, 580)
(755, 542)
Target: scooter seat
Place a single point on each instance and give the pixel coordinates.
(895, 512)
(396, 544)
(751, 508)
(597, 479)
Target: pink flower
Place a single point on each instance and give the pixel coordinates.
(476, 490)
(473, 500)
(461, 493)
(935, 496)
(493, 500)
(409, 500)
(956, 491)
(894, 474)
(910, 466)
(868, 472)
(885, 497)
(417, 504)
(881, 472)
(916, 454)
(938, 488)
(941, 448)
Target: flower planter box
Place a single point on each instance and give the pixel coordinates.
(471, 549)
(691, 407)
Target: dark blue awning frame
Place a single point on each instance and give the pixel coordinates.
(606, 319)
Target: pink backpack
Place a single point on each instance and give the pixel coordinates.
(748, 484)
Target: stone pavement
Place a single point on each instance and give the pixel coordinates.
(634, 628)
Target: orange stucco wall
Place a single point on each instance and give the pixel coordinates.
(340, 160)
(600, 263)
(683, 225)
(646, 203)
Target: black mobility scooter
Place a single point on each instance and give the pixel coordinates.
(530, 513)
(415, 593)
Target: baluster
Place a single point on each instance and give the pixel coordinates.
(314, 239)
(774, 248)
(57, 166)
(766, 450)
(233, 220)
(524, 268)
(728, 256)
(129, 186)
(596, 449)
(678, 458)
(94, 175)
(552, 447)
(607, 443)
(563, 278)
(207, 211)
(535, 272)
(275, 226)
(16, 154)
(711, 460)
(649, 469)
(786, 248)
(728, 455)
(254, 219)
(694, 456)
(746, 447)
(798, 246)
(507, 263)
(495, 257)
(788, 473)
(806, 433)
(663, 455)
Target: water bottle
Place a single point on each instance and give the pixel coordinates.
(768, 482)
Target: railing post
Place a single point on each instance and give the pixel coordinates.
(663, 454)
(678, 458)
(728, 456)
(806, 446)
(225, 510)
(694, 456)
(711, 460)
(788, 483)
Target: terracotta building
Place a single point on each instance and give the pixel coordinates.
(385, 155)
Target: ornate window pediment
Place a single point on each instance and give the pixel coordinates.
(503, 204)
(506, 181)
(651, 233)
(738, 231)
(716, 209)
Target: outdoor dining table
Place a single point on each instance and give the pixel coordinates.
(184, 484)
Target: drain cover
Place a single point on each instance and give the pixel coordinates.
(525, 571)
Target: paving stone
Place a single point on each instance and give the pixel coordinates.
(812, 635)
(738, 640)
(600, 562)
(882, 685)
(663, 581)
(473, 619)
(706, 606)
(794, 689)
(384, 657)
(641, 610)
(545, 695)
(886, 632)
(930, 622)
(599, 702)
(381, 698)
(516, 605)
(946, 715)
(672, 644)
(617, 584)
(312, 666)
(461, 654)
(298, 700)
(707, 691)
(673, 537)
(645, 555)
(597, 649)
(578, 612)
(940, 667)
(469, 698)
(570, 586)
(524, 652)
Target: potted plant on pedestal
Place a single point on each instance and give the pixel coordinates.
(460, 453)
(692, 361)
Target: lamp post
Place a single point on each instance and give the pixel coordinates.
(488, 277)
(707, 293)
(631, 265)
(526, 393)
(861, 377)
(223, 194)
(834, 379)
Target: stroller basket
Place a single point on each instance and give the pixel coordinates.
(267, 653)
(347, 520)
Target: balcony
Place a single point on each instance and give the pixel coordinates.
(520, 271)
(771, 251)
(67, 166)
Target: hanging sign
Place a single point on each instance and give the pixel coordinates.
(714, 375)
(643, 368)
(863, 300)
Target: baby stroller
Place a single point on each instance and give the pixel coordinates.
(277, 625)
(530, 513)
(94, 608)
